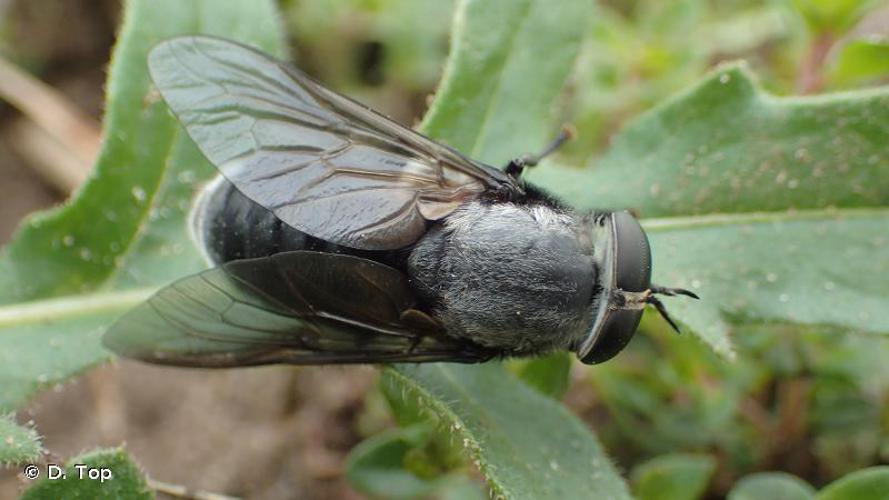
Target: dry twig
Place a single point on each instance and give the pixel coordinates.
(67, 141)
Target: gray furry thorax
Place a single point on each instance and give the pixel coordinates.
(513, 277)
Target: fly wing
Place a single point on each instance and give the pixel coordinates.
(321, 162)
(293, 307)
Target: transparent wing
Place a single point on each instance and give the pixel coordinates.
(323, 163)
(293, 307)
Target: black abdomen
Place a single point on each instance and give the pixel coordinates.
(230, 226)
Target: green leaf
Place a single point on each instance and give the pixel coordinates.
(772, 485)
(725, 145)
(860, 60)
(549, 374)
(439, 450)
(676, 476)
(18, 444)
(747, 270)
(750, 186)
(867, 484)
(461, 488)
(509, 60)
(385, 466)
(831, 16)
(526, 444)
(376, 467)
(71, 271)
(96, 475)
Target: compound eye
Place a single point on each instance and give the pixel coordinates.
(632, 255)
(632, 268)
(619, 327)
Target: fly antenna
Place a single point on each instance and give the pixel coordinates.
(670, 292)
(516, 166)
(656, 302)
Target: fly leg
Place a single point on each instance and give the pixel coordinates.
(516, 166)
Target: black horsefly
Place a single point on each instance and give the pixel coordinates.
(340, 236)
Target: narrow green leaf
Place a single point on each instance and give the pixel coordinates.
(18, 444)
(762, 184)
(772, 485)
(509, 60)
(867, 484)
(98, 475)
(526, 444)
(145, 172)
(677, 476)
(69, 272)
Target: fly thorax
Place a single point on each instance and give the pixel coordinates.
(517, 278)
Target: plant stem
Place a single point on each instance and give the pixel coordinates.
(811, 75)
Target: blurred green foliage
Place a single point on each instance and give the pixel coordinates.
(636, 53)
(812, 403)
(386, 52)
(675, 476)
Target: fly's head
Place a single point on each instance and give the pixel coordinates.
(623, 257)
